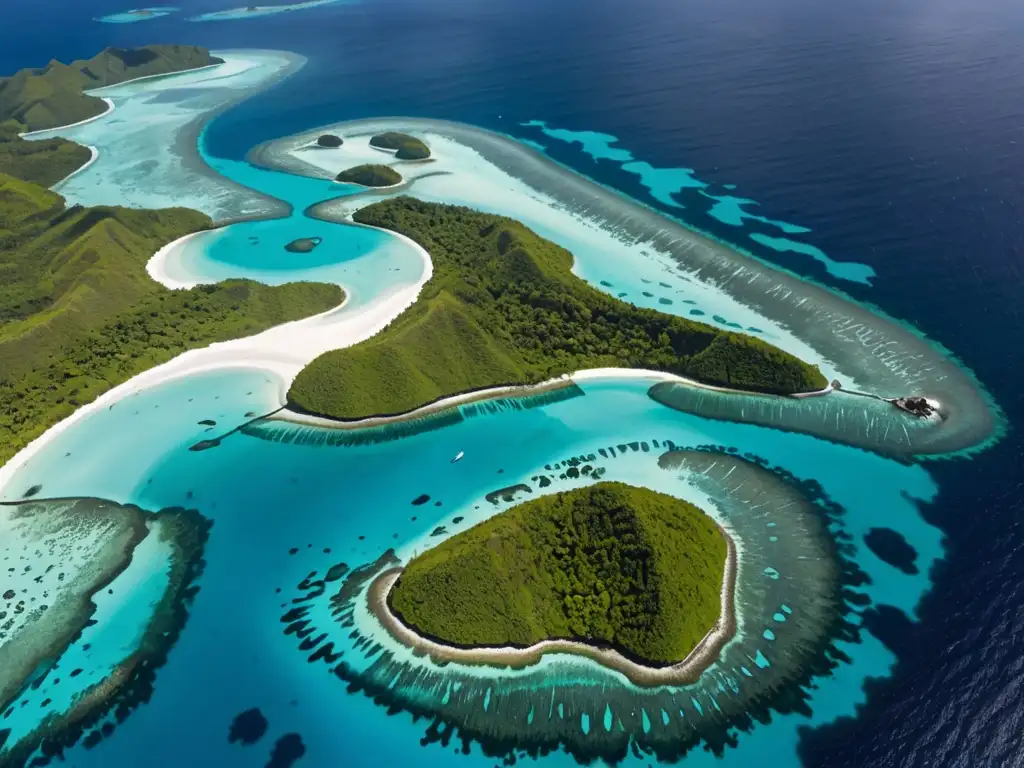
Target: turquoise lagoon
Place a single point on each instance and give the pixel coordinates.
(282, 510)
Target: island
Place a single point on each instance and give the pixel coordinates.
(79, 314)
(404, 146)
(610, 566)
(504, 308)
(329, 141)
(371, 176)
(303, 244)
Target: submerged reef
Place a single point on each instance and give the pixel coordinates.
(287, 427)
(303, 245)
(870, 353)
(81, 547)
(789, 611)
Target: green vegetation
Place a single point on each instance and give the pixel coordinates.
(610, 564)
(42, 162)
(406, 147)
(54, 95)
(370, 176)
(503, 308)
(329, 140)
(79, 314)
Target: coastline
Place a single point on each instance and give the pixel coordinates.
(36, 134)
(282, 351)
(685, 672)
(852, 341)
(512, 390)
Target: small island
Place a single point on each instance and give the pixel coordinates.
(503, 308)
(404, 146)
(611, 566)
(329, 141)
(370, 176)
(303, 244)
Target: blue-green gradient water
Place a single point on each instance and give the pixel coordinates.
(889, 131)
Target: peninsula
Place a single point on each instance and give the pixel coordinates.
(503, 308)
(54, 96)
(610, 566)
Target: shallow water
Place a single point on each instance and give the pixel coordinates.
(887, 131)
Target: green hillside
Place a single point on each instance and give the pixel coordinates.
(370, 176)
(79, 314)
(42, 162)
(610, 564)
(53, 96)
(504, 308)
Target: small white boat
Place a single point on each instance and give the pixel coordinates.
(458, 456)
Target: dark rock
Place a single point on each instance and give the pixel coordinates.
(288, 749)
(208, 423)
(890, 546)
(32, 491)
(248, 727)
(916, 406)
(421, 499)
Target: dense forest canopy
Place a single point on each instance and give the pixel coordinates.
(79, 314)
(609, 564)
(406, 147)
(370, 176)
(503, 307)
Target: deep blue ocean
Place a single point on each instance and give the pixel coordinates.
(893, 131)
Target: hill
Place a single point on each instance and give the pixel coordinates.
(405, 147)
(371, 176)
(55, 95)
(503, 307)
(608, 564)
(79, 314)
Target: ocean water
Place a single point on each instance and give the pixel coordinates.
(877, 135)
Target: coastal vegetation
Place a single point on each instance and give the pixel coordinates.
(609, 564)
(329, 140)
(503, 308)
(371, 176)
(55, 94)
(43, 162)
(79, 314)
(405, 147)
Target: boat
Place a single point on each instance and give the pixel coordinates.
(458, 456)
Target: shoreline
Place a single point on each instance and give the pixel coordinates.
(511, 390)
(685, 672)
(35, 134)
(282, 351)
(852, 341)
